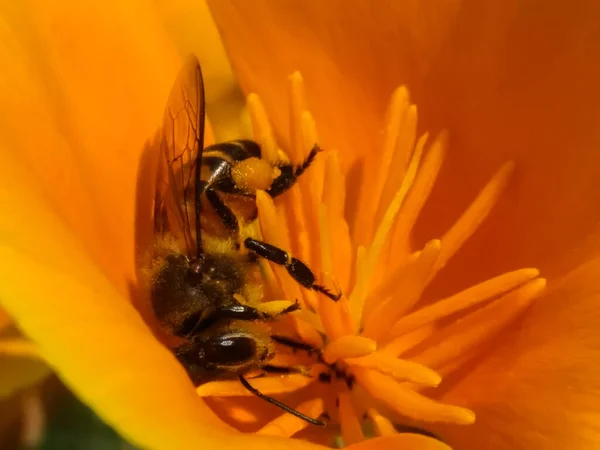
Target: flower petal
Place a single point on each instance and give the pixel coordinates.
(98, 344)
(494, 75)
(93, 339)
(83, 92)
(192, 28)
(404, 441)
(508, 83)
(73, 129)
(267, 41)
(550, 398)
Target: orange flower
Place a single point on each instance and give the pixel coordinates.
(83, 94)
(379, 345)
(508, 83)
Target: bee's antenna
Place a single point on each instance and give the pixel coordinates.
(277, 403)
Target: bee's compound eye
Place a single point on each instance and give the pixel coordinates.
(230, 350)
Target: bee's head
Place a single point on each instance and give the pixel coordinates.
(226, 351)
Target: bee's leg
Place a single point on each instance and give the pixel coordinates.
(274, 309)
(295, 345)
(296, 268)
(237, 312)
(289, 174)
(277, 403)
(225, 214)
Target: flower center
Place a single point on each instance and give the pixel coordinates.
(369, 356)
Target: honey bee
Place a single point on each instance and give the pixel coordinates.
(204, 276)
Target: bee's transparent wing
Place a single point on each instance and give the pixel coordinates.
(178, 189)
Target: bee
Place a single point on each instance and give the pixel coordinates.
(204, 275)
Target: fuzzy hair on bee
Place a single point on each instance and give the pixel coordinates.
(203, 271)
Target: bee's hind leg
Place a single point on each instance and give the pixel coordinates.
(290, 174)
(296, 268)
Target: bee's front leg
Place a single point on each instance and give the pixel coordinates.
(241, 312)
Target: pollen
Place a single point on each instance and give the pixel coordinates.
(377, 354)
(253, 174)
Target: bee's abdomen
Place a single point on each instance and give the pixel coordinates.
(180, 296)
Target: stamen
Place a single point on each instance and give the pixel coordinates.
(272, 286)
(270, 222)
(388, 286)
(463, 300)
(401, 370)
(336, 317)
(408, 341)
(334, 201)
(326, 263)
(308, 333)
(311, 184)
(288, 425)
(274, 233)
(298, 226)
(385, 279)
(409, 291)
(397, 107)
(267, 385)
(465, 335)
(357, 297)
(316, 175)
(274, 307)
(403, 150)
(361, 284)
(399, 246)
(383, 426)
(407, 402)
(350, 424)
(475, 214)
(297, 107)
(334, 192)
(350, 346)
(310, 319)
(263, 133)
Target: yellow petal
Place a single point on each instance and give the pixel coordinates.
(83, 92)
(404, 441)
(99, 346)
(267, 385)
